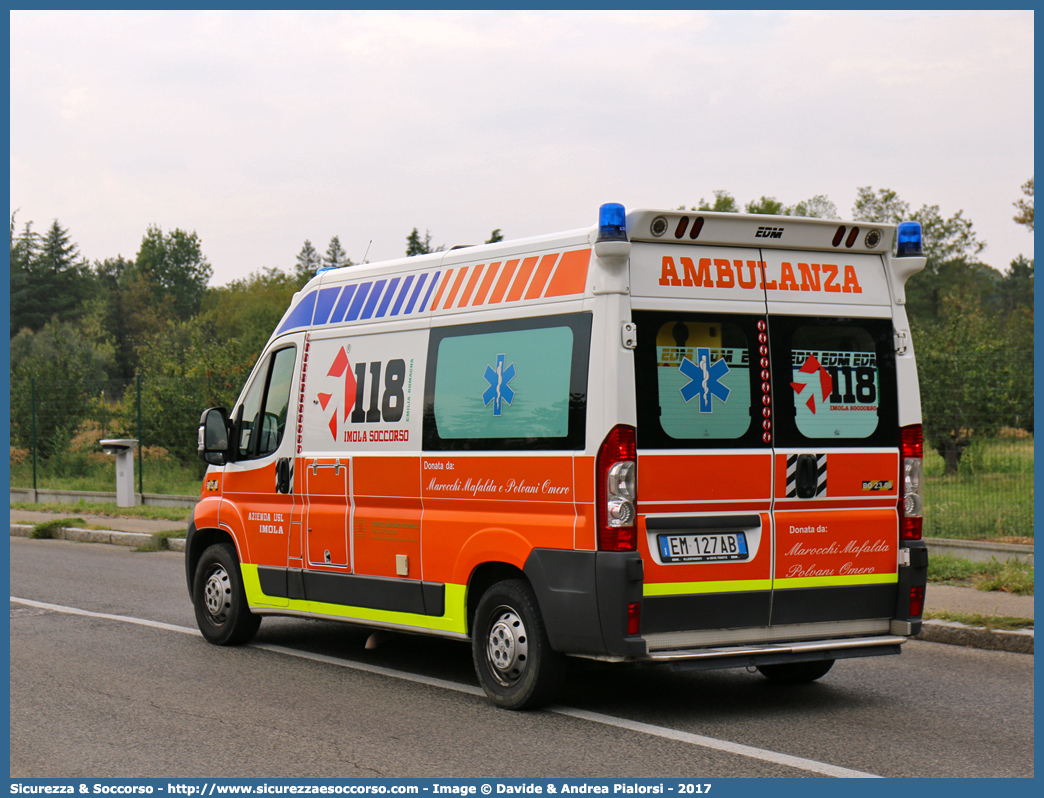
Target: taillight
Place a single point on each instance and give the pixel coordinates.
(634, 617)
(615, 472)
(911, 505)
(916, 601)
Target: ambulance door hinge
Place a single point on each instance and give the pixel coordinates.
(900, 342)
(629, 335)
(904, 556)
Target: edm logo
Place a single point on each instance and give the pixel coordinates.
(769, 232)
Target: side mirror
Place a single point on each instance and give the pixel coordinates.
(214, 436)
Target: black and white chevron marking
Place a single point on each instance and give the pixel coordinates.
(821, 475)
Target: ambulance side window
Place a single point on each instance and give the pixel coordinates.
(518, 384)
(265, 407)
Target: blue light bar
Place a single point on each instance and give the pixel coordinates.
(908, 243)
(612, 222)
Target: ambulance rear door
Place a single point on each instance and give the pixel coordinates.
(705, 458)
(836, 438)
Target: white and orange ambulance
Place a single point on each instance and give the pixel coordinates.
(675, 437)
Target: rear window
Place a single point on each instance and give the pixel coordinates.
(698, 380)
(833, 380)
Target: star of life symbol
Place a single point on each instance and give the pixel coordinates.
(810, 376)
(704, 379)
(499, 390)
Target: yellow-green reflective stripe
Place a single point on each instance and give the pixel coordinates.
(454, 618)
(686, 588)
(823, 581)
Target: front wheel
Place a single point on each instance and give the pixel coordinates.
(222, 613)
(796, 672)
(515, 663)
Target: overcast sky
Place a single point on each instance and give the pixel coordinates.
(261, 129)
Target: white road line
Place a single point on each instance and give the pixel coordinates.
(764, 755)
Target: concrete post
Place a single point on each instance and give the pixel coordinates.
(123, 449)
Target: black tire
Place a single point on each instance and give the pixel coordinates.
(222, 613)
(796, 672)
(515, 663)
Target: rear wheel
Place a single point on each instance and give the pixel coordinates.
(796, 672)
(222, 613)
(515, 663)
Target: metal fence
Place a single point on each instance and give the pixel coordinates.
(987, 491)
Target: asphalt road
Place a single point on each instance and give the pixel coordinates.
(102, 697)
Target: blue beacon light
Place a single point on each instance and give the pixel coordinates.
(612, 222)
(908, 243)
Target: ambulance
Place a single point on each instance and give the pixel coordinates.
(681, 438)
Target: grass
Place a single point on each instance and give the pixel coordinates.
(47, 529)
(1010, 576)
(109, 509)
(159, 540)
(1005, 622)
(89, 472)
(991, 496)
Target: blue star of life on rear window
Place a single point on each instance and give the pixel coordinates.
(499, 391)
(704, 379)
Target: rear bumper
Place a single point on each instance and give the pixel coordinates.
(770, 653)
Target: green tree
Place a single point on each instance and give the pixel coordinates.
(494, 237)
(963, 366)
(48, 277)
(62, 367)
(244, 313)
(335, 256)
(308, 263)
(724, 202)
(769, 205)
(174, 265)
(185, 368)
(415, 245)
(882, 206)
(25, 312)
(945, 240)
(1025, 208)
(818, 207)
(122, 306)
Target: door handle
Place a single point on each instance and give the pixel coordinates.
(807, 476)
(284, 475)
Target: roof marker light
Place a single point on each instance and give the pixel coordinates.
(909, 240)
(612, 222)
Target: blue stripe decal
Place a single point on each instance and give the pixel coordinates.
(387, 297)
(360, 297)
(342, 305)
(431, 287)
(324, 304)
(300, 316)
(416, 293)
(371, 303)
(402, 295)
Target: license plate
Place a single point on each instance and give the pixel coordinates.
(703, 548)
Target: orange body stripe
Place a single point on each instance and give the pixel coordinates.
(461, 273)
(524, 271)
(475, 274)
(571, 275)
(441, 288)
(487, 281)
(502, 283)
(547, 263)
